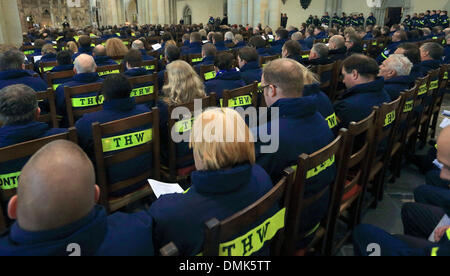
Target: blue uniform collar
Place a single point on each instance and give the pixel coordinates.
(23, 237)
(296, 107)
(49, 56)
(279, 42)
(371, 87)
(64, 67)
(13, 134)
(136, 72)
(228, 75)
(195, 45)
(83, 50)
(220, 44)
(120, 104)
(101, 59)
(311, 89)
(14, 74)
(399, 80)
(240, 43)
(431, 63)
(261, 51)
(223, 181)
(86, 77)
(253, 65)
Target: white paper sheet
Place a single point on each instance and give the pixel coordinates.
(37, 58)
(205, 41)
(160, 188)
(271, 36)
(445, 123)
(438, 164)
(445, 221)
(156, 47)
(446, 113)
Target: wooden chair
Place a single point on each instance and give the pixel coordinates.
(27, 50)
(47, 66)
(49, 118)
(241, 97)
(51, 77)
(207, 72)
(305, 54)
(118, 59)
(351, 183)
(264, 60)
(103, 71)
(150, 65)
(29, 66)
(108, 153)
(193, 59)
(22, 152)
(77, 106)
(217, 233)
(386, 125)
(182, 126)
(413, 132)
(438, 98)
(432, 94)
(322, 70)
(406, 128)
(145, 94)
(307, 167)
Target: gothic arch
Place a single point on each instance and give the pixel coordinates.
(187, 15)
(131, 10)
(380, 12)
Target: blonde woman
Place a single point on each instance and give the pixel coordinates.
(227, 180)
(72, 46)
(115, 48)
(184, 87)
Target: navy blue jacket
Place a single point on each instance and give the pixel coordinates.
(239, 45)
(206, 61)
(135, 72)
(45, 58)
(224, 80)
(416, 72)
(338, 54)
(310, 41)
(357, 102)
(389, 50)
(104, 61)
(214, 194)
(97, 234)
(81, 50)
(251, 72)
(302, 129)
(114, 110)
(62, 68)
(194, 48)
(146, 57)
(277, 47)
(397, 85)
(304, 45)
(447, 54)
(12, 77)
(263, 52)
(16, 134)
(324, 105)
(220, 46)
(428, 65)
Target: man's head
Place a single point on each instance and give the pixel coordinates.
(195, 37)
(209, 50)
(18, 105)
(336, 42)
(224, 61)
(133, 59)
(39, 43)
(246, 55)
(138, 45)
(64, 58)
(12, 60)
(84, 64)
(409, 50)
(257, 41)
(281, 34)
(443, 153)
(116, 86)
(319, 51)
(395, 66)
(99, 51)
(359, 69)
(431, 51)
(85, 41)
(291, 48)
(172, 53)
(318, 30)
(297, 36)
(217, 37)
(399, 36)
(282, 78)
(42, 203)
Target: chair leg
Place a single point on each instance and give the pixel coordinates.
(434, 125)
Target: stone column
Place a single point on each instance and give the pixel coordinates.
(161, 13)
(10, 26)
(234, 12)
(274, 14)
(263, 12)
(154, 19)
(250, 15)
(167, 12)
(244, 5)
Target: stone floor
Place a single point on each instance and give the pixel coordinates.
(387, 214)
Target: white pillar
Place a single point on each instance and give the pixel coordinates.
(250, 15)
(244, 9)
(274, 14)
(234, 12)
(10, 26)
(161, 14)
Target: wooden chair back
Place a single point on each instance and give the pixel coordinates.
(103, 71)
(207, 72)
(51, 77)
(76, 107)
(241, 97)
(264, 60)
(51, 117)
(145, 88)
(193, 59)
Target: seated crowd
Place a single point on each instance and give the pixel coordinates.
(223, 178)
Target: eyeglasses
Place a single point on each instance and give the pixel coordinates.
(262, 88)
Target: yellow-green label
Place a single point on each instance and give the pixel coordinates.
(29, 52)
(126, 43)
(238, 101)
(197, 60)
(127, 140)
(210, 75)
(76, 38)
(9, 181)
(142, 91)
(446, 75)
(434, 84)
(149, 67)
(55, 86)
(408, 106)
(254, 240)
(434, 251)
(325, 165)
(332, 121)
(87, 101)
(184, 125)
(305, 56)
(423, 89)
(390, 117)
(46, 69)
(109, 72)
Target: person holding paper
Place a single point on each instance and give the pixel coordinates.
(227, 181)
(420, 221)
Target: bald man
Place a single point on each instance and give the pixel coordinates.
(85, 73)
(60, 220)
(337, 49)
(139, 45)
(100, 57)
(420, 222)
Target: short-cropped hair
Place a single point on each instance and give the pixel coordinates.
(435, 50)
(257, 41)
(18, 104)
(248, 54)
(64, 58)
(321, 49)
(282, 34)
(209, 49)
(133, 58)
(224, 61)
(365, 66)
(116, 86)
(11, 60)
(196, 37)
(293, 47)
(400, 64)
(285, 74)
(85, 41)
(412, 52)
(172, 52)
(222, 139)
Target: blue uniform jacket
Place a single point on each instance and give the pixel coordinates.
(239, 45)
(310, 41)
(12, 77)
(277, 47)
(324, 105)
(428, 65)
(220, 46)
(263, 52)
(302, 129)
(81, 50)
(447, 54)
(104, 61)
(62, 68)
(397, 85)
(251, 72)
(194, 48)
(389, 50)
(206, 61)
(114, 110)
(357, 102)
(224, 80)
(214, 194)
(97, 234)
(45, 58)
(338, 54)
(146, 57)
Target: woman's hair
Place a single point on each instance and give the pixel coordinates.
(115, 48)
(184, 85)
(48, 49)
(171, 42)
(72, 46)
(308, 76)
(222, 139)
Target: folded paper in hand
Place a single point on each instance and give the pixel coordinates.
(445, 123)
(160, 188)
(445, 221)
(156, 47)
(37, 58)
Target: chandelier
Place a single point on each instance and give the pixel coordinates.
(305, 3)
